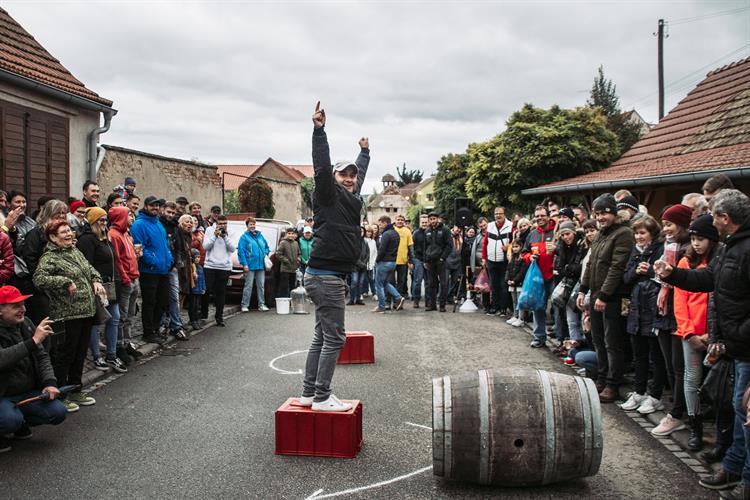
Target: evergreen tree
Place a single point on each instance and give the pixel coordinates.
(604, 95)
(408, 176)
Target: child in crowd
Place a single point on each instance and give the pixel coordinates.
(514, 277)
(691, 311)
(288, 254)
(639, 274)
(197, 291)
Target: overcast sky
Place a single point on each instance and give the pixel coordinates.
(237, 81)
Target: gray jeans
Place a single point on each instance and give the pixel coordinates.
(328, 293)
(126, 301)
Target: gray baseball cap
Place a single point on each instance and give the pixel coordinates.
(343, 165)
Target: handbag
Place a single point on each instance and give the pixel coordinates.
(267, 263)
(20, 268)
(109, 286)
(718, 387)
(562, 291)
(102, 314)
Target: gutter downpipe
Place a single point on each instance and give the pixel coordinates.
(95, 159)
(644, 181)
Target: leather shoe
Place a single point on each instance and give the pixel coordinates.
(609, 395)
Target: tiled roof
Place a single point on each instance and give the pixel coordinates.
(708, 130)
(21, 54)
(232, 182)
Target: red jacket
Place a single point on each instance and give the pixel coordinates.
(690, 308)
(537, 239)
(122, 244)
(7, 259)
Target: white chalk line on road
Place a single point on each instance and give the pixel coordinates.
(273, 366)
(317, 494)
(418, 425)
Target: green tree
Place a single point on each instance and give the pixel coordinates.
(413, 212)
(450, 182)
(538, 146)
(604, 95)
(257, 196)
(306, 186)
(231, 202)
(408, 176)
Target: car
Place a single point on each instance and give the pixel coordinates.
(273, 230)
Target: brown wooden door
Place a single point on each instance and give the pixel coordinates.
(33, 152)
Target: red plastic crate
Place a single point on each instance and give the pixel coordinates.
(302, 431)
(359, 348)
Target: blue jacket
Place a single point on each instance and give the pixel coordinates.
(251, 249)
(200, 281)
(149, 232)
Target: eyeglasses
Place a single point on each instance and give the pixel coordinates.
(102, 221)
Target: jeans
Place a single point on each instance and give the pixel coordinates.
(674, 363)
(417, 278)
(12, 418)
(257, 276)
(737, 458)
(402, 277)
(693, 378)
(371, 282)
(647, 353)
(328, 293)
(127, 295)
(609, 343)
(356, 287)
(562, 331)
(437, 284)
(216, 285)
(154, 301)
(573, 318)
(110, 333)
(499, 295)
(382, 285)
(540, 315)
(587, 360)
(67, 359)
(171, 318)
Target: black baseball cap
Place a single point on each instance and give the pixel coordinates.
(182, 199)
(151, 200)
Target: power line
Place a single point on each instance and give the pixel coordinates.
(685, 20)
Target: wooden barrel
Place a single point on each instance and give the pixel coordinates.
(515, 427)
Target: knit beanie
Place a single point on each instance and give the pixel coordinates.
(678, 214)
(605, 203)
(75, 205)
(129, 181)
(566, 226)
(567, 212)
(93, 214)
(704, 226)
(628, 202)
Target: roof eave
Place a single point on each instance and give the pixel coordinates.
(55, 92)
(640, 181)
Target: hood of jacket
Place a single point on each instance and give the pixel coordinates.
(118, 218)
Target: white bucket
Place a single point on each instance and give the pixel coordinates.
(283, 305)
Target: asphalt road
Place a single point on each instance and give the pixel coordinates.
(198, 421)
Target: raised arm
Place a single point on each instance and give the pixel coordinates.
(362, 162)
(323, 191)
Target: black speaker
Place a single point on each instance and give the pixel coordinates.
(462, 212)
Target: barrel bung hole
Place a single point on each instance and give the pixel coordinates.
(518, 443)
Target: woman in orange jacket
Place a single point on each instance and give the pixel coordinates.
(691, 311)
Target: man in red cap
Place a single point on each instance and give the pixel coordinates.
(25, 371)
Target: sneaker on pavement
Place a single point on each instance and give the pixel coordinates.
(263, 308)
(379, 310)
(70, 405)
(123, 355)
(81, 399)
(23, 433)
(581, 372)
(739, 492)
(650, 405)
(667, 426)
(133, 350)
(101, 365)
(4, 444)
(305, 400)
(245, 309)
(634, 401)
(511, 321)
(720, 480)
(569, 361)
(117, 365)
(331, 404)
(181, 334)
(400, 304)
(536, 344)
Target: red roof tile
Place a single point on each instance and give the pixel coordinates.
(708, 130)
(232, 182)
(21, 54)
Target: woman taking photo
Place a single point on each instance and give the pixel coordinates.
(71, 282)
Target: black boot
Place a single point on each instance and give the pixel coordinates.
(714, 455)
(695, 441)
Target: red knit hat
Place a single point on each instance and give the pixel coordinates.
(75, 205)
(678, 214)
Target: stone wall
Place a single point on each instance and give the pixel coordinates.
(287, 199)
(163, 177)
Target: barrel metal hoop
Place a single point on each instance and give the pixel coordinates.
(484, 428)
(448, 418)
(596, 416)
(588, 428)
(438, 434)
(549, 419)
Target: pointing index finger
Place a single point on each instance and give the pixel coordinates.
(317, 107)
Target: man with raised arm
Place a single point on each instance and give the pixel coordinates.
(336, 246)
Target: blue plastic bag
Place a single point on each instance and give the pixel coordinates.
(532, 293)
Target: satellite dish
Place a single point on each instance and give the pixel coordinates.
(381, 204)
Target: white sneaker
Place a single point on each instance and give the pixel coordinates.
(511, 321)
(331, 404)
(650, 405)
(517, 322)
(667, 426)
(245, 309)
(305, 400)
(634, 401)
(263, 308)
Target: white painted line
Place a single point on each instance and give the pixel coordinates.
(317, 494)
(271, 364)
(419, 425)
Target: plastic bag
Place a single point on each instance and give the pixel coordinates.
(532, 296)
(482, 282)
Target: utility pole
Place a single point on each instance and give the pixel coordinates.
(660, 49)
